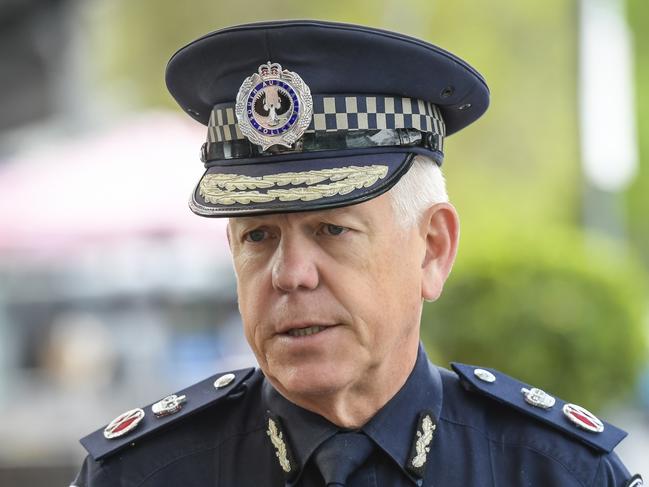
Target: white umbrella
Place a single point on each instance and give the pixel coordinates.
(133, 179)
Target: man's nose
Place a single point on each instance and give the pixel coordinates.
(294, 265)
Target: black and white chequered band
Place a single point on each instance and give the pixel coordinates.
(345, 112)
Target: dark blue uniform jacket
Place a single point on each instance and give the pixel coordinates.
(483, 435)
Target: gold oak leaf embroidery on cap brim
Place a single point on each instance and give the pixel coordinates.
(228, 189)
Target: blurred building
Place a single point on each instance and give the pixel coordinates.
(111, 293)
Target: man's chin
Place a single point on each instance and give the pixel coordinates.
(310, 380)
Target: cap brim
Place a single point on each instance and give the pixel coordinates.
(304, 184)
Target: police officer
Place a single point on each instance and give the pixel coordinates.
(324, 146)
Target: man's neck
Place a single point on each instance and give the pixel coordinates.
(353, 407)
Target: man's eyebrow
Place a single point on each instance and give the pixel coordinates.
(346, 211)
(355, 214)
(247, 220)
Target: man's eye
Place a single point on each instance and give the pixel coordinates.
(333, 230)
(256, 235)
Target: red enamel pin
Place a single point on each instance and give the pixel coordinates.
(123, 423)
(583, 418)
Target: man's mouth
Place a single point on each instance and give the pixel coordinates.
(302, 332)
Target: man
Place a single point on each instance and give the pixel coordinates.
(324, 146)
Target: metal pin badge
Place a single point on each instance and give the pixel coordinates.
(169, 405)
(223, 381)
(636, 481)
(274, 106)
(583, 418)
(538, 398)
(124, 423)
(484, 375)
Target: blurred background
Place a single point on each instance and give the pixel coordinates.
(113, 295)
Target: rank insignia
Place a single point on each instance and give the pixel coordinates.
(538, 398)
(274, 106)
(421, 444)
(583, 418)
(280, 442)
(169, 405)
(124, 423)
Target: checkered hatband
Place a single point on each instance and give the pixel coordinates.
(345, 113)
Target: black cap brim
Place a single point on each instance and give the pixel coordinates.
(297, 185)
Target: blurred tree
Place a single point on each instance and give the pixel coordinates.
(638, 195)
(520, 163)
(538, 308)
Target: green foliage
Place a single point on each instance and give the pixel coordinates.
(526, 145)
(638, 195)
(557, 312)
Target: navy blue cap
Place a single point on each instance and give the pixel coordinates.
(307, 115)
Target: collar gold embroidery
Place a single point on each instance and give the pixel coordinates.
(424, 438)
(276, 437)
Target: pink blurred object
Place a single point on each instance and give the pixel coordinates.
(132, 180)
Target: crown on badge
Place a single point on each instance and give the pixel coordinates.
(269, 69)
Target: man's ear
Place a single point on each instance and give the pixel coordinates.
(440, 228)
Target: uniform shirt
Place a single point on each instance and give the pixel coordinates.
(476, 442)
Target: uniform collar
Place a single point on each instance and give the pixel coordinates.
(303, 430)
(392, 428)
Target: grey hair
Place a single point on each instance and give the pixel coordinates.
(417, 190)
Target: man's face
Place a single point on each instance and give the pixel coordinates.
(330, 300)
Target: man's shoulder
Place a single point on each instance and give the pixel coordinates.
(521, 423)
(213, 405)
(516, 399)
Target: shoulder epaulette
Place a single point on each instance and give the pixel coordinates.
(569, 418)
(131, 426)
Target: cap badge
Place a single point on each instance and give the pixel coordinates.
(538, 398)
(169, 405)
(124, 423)
(583, 418)
(274, 106)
